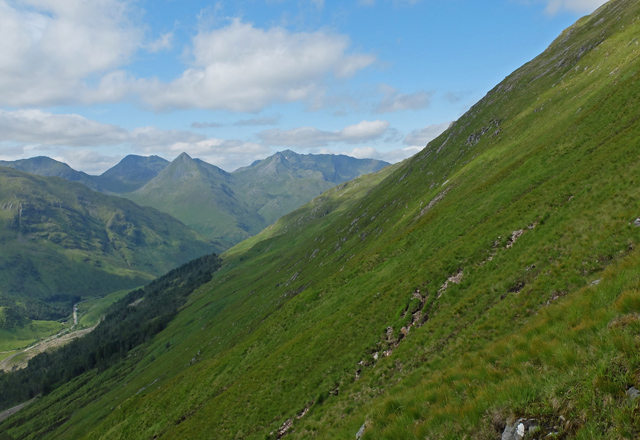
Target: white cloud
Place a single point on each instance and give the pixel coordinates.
(420, 138)
(311, 137)
(164, 42)
(74, 139)
(226, 154)
(58, 52)
(394, 101)
(89, 161)
(244, 68)
(577, 6)
(50, 48)
(36, 127)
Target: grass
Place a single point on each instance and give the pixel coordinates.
(91, 312)
(21, 337)
(323, 295)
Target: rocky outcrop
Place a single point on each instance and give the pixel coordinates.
(453, 279)
(519, 429)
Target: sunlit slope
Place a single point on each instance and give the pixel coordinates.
(62, 241)
(483, 248)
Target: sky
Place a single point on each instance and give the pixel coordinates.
(87, 82)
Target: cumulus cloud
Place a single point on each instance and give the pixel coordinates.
(89, 161)
(243, 68)
(49, 48)
(420, 138)
(311, 137)
(57, 52)
(578, 6)
(74, 139)
(226, 154)
(394, 101)
(37, 127)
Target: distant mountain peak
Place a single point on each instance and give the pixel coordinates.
(131, 173)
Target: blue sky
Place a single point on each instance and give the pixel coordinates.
(90, 81)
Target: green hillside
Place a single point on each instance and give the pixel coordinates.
(230, 207)
(201, 196)
(45, 166)
(128, 175)
(493, 277)
(285, 181)
(62, 241)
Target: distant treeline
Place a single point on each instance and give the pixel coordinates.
(53, 309)
(128, 323)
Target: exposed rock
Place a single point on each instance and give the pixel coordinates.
(286, 426)
(389, 333)
(455, 279)
(514, 236)
(633, 393)
(595, 282)
(519, 429)
(433, 202)
(360, 432)
(304, 411)
(637, 222)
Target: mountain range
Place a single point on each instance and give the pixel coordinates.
(486, 288)
(226, 207)
(230, 207)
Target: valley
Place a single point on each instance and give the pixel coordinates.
(487, 287)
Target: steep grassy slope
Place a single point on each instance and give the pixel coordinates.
(62, 241)
(454, 296)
